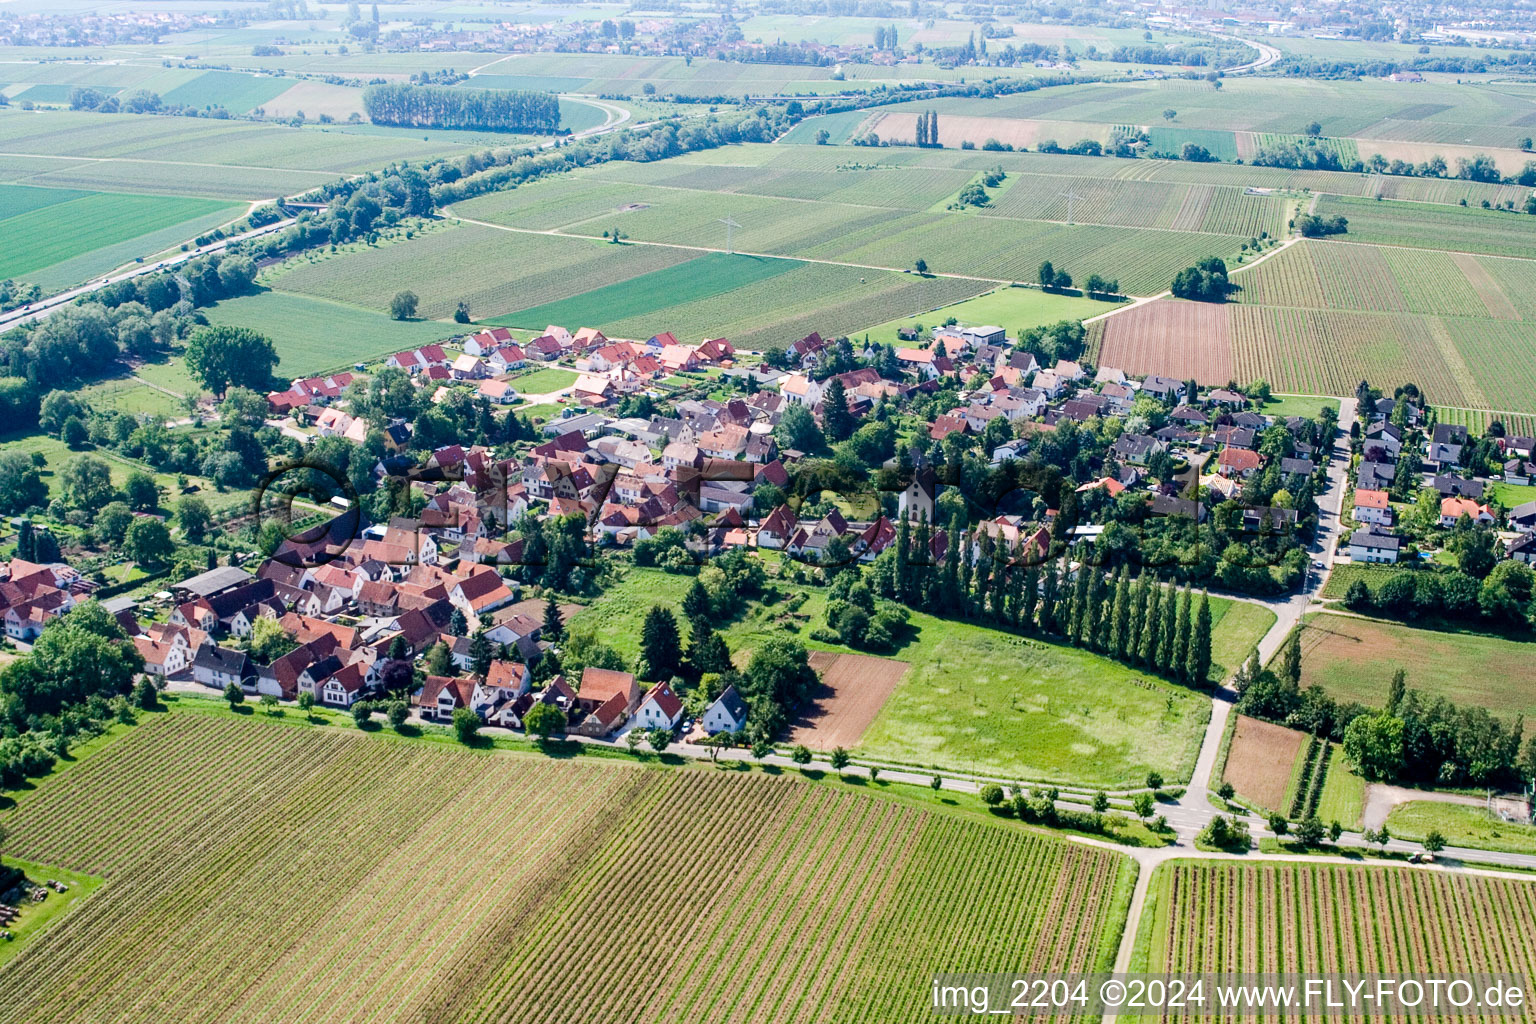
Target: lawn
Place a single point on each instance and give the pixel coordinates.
(1236, 629)
(544, 381)
(1510, 495)
(313, 335)
(46, 231)
(704, 278)
(1353, 659)
(1343, 796)
(1309, 406)
(36, 918)
(976, 699)
(1010, 308)
(1462, 825)
(879, 893)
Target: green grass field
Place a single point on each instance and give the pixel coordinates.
(704, 278)
(1461, 825)
(313, 334)
(1353, 659)
(53, 237)
(832, 901)
(1510, 495)
(975, 699)
(231, 90)
(1309, 406)
(1010, 308)
(541, 382)
(1236, 629)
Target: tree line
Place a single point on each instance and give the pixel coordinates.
(435, 106)
(1135, 619)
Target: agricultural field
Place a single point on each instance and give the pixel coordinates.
(1354, 659)
(1318, 317)
(312, 335)
(703, 278)
(1260, 759)
(1013, 309)
(1434, 226)
(200, 156)
(496, 272)
(855, 900)
(58, 237)
(835, 204)
(1214, 916)
(854, 687)
(1366, 116)
(757, 303)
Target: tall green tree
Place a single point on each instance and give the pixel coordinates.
(1166, 652)
(1291, 667)
(1152, 628)
(1181, 633)
(1048, 595)
(1198, 669)
(661, 646)
(1080, 590)
(1031, 596)
(1120, 623)
(221, 357)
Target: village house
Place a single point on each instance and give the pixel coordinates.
(660, 709)
(1369, 544)
(728, 713)
(1372, 507)
(1452, 509)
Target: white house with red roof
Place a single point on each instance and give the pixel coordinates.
(661, 709)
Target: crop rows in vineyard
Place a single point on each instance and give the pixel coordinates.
(1328, 352)
(1278, 917)
(265, 872)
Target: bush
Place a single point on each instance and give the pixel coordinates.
(991, 794)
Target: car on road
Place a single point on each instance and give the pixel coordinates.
(1318, 565)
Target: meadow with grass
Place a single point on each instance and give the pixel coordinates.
(978, 699)
(1354, 658)
(313, 335)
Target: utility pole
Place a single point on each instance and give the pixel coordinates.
(1071, 198)
(729, 225)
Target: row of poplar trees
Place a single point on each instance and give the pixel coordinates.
(1134, 619)
(441, 106)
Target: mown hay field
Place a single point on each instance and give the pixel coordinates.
(266, 872)
(1354, 658)
(1229, 916)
